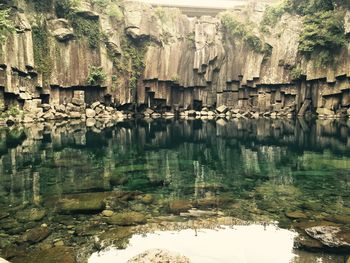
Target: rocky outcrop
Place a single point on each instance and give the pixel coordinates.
(187, 64)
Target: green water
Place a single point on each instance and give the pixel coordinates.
(64, 175)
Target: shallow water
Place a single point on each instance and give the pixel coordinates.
(63, 175)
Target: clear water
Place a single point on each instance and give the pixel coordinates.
(256, 171)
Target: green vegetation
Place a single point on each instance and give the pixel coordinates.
(43, 6)
(175, 78)
(64, 8)
(12, 111)
(6, 25)
(323, 26)
(96, 75)
(130, 64)
(161, 14)
(323, 34)
(41, 46)
(296, 73)
(86, 28)
(115, 12)
(244, 31)
(271, 16)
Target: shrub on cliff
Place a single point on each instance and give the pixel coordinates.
(96, 76)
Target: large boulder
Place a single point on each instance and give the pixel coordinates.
(331, 236)
(80, 203)
(159, 255)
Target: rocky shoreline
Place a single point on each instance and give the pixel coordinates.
(35, 112)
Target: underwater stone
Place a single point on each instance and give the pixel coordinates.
(159, 255)
(127, 219)
(35, 235)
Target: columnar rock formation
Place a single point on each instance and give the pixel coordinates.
(187, 62)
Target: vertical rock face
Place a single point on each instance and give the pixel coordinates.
(182, 62)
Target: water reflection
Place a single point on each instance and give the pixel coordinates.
(291, 171)
(239, 244)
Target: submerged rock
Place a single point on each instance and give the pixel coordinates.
(178, 206)
(159, 255)
(296, 215)
(127, 219)
(107, 213)
(34, 214)
(331, 236)
(35, 235)
(81, 203)
(57, 254)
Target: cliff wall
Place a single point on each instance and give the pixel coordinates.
(158, 57)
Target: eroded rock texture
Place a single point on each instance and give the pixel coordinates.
(188, 62)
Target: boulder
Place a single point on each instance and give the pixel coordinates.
(178, 206)
(46, 107)
(324, 112)
(75, 115)
(35, 235)
(296, 215)
(95, 104)
(78, 102)
(49, 116)
(107, 213)
(49, 255)
(331, 236)
(222, 109)
(90, 113)
(127, 219)
(28, 215)
(159, 255)
(80, 203)
(90, 122)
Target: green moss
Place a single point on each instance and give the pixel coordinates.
(96, 76)
(86, 28)
(42, 59)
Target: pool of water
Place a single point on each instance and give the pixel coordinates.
(57, 178)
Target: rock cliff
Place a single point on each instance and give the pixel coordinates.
(128, 53)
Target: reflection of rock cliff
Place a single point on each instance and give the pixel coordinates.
(181, 62)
